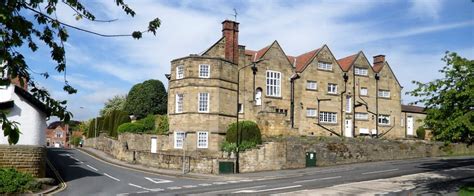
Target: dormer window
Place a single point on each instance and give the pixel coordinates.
(361, 71)
(325, 66)
(204, 71)
(179, 72)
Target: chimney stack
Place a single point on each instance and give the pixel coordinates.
(230, 32)
(379, 59)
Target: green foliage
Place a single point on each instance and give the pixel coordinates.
(75, 140)
(12, 181)
(449, 101)
(33, 24)
(247, 145)
(105, 123)
(249, 131)
(421, 133)
(146, 98)
(91, 130)
(116, 103)
(148, 122)
(161, 124)
(131, 128)
(84, 127)
(467, 189)
(228, 147)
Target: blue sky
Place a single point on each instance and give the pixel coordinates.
(412, 34)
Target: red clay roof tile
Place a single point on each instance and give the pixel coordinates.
(347, 62)
(303, 60)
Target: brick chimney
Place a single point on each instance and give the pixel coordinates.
(230, 32)
(378, 59)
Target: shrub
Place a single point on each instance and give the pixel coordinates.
(75, 140)
(131, 128)
(117, 118)
(161, 124)
(247, 145)
(148, 122)
(12, 181)
(248, 130)
(228, 147)
(421, 132)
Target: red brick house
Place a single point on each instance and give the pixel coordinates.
(57, 135)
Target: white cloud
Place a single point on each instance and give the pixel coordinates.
(426, 8)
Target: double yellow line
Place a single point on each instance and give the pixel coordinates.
(62, 184)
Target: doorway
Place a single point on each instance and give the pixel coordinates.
(348, 128)
(410, 125)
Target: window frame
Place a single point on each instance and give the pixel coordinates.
(201, 71)
(348, 104)
(313, 111)
(383, 93)
(325, 66)
(366, 91)
(308, 82)
(198, 139)
(357, 71)
(273, 84)
(326, 117)
(357, 116)
(178, 74)
(175, 139)
(179, 106)
(241, 108)
(335, 89)
(207, 103)
(381, 117)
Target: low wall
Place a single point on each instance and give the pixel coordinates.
(286, 153)
(24, 158)
(135, 148)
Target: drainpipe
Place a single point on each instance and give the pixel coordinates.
(353, 100)
(342, 102)
(292, 106)
(377, 78)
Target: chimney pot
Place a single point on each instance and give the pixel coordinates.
(230, 32)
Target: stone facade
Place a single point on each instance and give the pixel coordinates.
(414, 117)
(24, 158)
(281, 93)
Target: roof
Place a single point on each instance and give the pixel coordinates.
(55, 124)
(257, 54)
(35, 102)
(347, 62)
(413, 109)
(303, 60)
(6, 105)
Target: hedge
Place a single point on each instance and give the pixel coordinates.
(13, 181)
(131, 128)
(249, 131)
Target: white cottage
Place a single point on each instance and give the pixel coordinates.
(29, 112)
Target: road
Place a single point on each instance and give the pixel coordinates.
(85, 175)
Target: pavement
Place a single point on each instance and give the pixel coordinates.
(80, 169)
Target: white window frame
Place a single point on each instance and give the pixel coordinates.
(361, 116)
(328, 117)
(361, 71)
(325, 66)
(204, 73)
(203, 105)
(180, 72)
(332, 88)
(241, 108)
(362, 90)
(273, 81)
(311, 85)
(179, 102)
(179, 137)
(311, 112)
(384, 93)
(348, 104)
(202, 139)
(383, 117)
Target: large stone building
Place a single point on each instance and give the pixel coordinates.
(310, 94)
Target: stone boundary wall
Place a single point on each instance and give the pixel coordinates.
(24, 158)
(289, 153)
(135, 148)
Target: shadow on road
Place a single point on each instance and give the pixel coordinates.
(69, 168)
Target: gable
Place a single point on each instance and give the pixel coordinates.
(363, 62)
(275, 51)
(216, 50)
(387, 70)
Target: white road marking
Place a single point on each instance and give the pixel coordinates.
(318, 179)
(122, 194)
(232, 181)
(156, 190)
(139, 186)
(143, 192)
(228, 190)
(174, 187)
(264, 190)
(157, 180)
(92, 168)
(204, 184)
(189, 186)
(116, 179)
(381, 171)
(246, 180)
(219, 183)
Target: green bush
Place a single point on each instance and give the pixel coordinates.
(116, 118)
(249, 131)
(75, 140)
(421, 132)
(161, 124)
(12, 181)
(148, 122)
(228, 147)
(131, 128)
(247, 145)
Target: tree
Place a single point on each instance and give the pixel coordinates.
(449, 101)
(116, 103)
(145, 98)
(18, 29)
